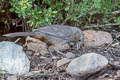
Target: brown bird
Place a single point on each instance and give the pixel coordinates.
(54, 34)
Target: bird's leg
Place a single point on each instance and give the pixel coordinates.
(78, 45)
(28, 39)
(78, 38)
(17, 40)
(50, 51)
(25, 44)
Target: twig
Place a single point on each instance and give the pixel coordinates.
(86, 12)
(93, 26)
(65, 21)
(1, 6)
(71, 6)
(110, 43)
(116, 12)
(55, 20)
(80, 15)
(36, 73)
(110, 24)
(70, 11)
(17, 40)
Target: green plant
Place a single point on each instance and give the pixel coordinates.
(46, 12)
(37, 16)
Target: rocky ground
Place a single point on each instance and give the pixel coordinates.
(48, 69)
(48, 65)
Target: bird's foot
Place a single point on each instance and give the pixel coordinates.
(78, 45)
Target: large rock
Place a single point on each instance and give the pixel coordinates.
(96, 38)
(13, 59)
(38, 46)
(86, 64)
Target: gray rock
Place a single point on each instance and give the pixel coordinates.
(36, 45)
(63, 62)
(13, 59)
(94, 38)
(70, 55)
(29, 52)
(86, 64)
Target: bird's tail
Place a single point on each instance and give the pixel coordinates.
(17, 34)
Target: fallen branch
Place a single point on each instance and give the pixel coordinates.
(95, 26)
(115, 12)
(36, 73)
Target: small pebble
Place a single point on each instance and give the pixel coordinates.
(63, 62)
(70, 55)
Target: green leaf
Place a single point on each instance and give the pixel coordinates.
(12, 9)
(118, 20)
(54, 12)
(67, 8)
(3, 11)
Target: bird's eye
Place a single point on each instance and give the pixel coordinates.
(79, 40)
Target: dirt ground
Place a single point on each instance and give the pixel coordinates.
(49, 71)
(54, 73)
